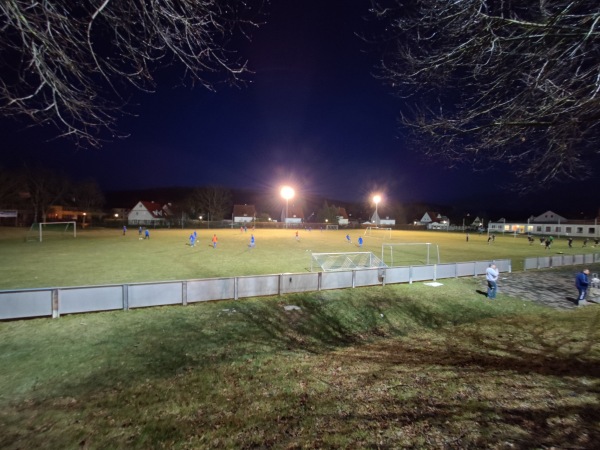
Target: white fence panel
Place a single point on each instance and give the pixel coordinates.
(422, 273)
(543, 262)
(299, 282)
(504, 265)
(367, 277)
(156, 294)
(530, 263)
(17, 305)
(578, 259)
(258, 286)
(210, 289)
(588, 258)
(481, 266)
(86, 299)
(568, 260)
(465, 269)
(336, 280)
(397, 275)
(445, 271)
(556, 260)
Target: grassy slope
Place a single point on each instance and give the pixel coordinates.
(391, 367)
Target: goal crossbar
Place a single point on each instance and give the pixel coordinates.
(378, 232)
(329, 262)
(43, 227)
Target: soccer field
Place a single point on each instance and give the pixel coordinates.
(105, 256)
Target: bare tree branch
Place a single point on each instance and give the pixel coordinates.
(69, 63)
(514, 82)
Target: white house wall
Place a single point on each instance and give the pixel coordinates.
(590, 230)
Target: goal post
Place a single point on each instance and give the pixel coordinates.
(410, 253)
(379, 232)
(331, 227)
(39, 230)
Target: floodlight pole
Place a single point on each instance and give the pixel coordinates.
(376, 199)
(287, 193)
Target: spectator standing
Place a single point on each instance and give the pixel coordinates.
(581, 283)
(491, 275)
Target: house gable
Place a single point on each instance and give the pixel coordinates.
(549, 217)
(145, 212)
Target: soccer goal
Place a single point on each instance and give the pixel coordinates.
(378, 232)
(41, 230)
(329, 262)
(410, 253)
(332, 227)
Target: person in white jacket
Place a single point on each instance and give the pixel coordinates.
(491, 275)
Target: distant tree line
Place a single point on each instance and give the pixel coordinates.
(37, 189)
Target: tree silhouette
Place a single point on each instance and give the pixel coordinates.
(495, 82)
(71, 63)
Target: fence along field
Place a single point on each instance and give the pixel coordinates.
(105, 256)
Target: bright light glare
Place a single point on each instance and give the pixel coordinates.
(287, 192)
(377, 198)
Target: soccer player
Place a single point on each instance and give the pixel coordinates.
(252, 241)
(192, 240)
(360, 241)
(147, 234)
(348, 239)
(297, 237)
(124, 229)
(214, 241)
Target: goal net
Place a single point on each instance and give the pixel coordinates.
(331, 227)
(329, 262)
(44, 230)
(410, 253)
(378, 232)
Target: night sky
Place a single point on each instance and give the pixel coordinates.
(312, 116)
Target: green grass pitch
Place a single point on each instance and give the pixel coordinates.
(105, 256)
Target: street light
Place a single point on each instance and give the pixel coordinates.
(376, 199)
(287, 193)
(84, 214)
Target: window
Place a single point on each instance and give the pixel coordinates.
(580, 230)
(557, 229)
(592, 231)
(548, 229)
(568, 230)
(538, 228)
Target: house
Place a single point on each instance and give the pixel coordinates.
(429, 217)
(149, 213)
(294, 214)
(548, 224)
(434, 221)
(243, 213)
(342, 216)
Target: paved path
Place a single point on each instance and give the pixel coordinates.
(551, 287)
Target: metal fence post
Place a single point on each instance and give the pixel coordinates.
(125, 297)
(184, 293)
(55, 303)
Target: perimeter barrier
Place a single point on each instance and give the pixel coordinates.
(54, 302)
(545, 262)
